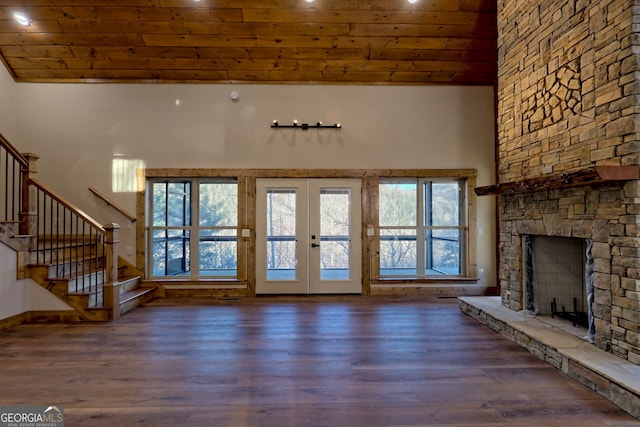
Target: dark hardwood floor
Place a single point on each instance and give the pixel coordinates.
(307, 361)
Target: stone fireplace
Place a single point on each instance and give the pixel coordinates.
(568, 167)
(568, 130)
(598, 215)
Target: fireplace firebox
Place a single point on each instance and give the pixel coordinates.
(559, 278)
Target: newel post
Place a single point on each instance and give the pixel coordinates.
(111, 287)
(28, 214)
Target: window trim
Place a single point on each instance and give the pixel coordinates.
(372, 283)
(193, 228)
(421, 228)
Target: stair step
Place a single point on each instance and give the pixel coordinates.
(87, 291)
(9, 227)
(133, 298)
(19, 243)
(128, 283)
(135, 293)
(88, 300)
(70, 238)
(8, 235)
(77, 267)
(61, 256)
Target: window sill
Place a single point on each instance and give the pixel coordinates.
(185, 283)
(423, 281)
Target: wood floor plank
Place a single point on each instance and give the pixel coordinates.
(292, 361)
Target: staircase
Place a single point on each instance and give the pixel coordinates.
(62, 249)
(80, 283)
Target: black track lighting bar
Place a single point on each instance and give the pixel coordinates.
(304, 126)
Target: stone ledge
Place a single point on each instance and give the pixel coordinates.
(615, 379)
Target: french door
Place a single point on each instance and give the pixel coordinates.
(308, 236)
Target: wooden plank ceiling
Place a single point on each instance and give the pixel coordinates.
(278, 41)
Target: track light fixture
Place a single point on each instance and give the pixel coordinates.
(305, 126)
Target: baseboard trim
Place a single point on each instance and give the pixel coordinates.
(427, 289)
(15, 320)
(44, 316)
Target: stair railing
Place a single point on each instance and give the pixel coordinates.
(63, 237)
(14, 171)
(70, 242)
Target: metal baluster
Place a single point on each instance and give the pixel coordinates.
(40, 217)
(76, 237)
(6, 179)
(57, 247)
(13, 190)
(83, 247)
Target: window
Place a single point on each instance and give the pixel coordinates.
(422, 225)
(206, 209)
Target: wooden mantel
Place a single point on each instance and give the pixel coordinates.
(587, 176)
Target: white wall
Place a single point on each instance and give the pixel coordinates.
(7, 112)
(19, 296)
(78, 130)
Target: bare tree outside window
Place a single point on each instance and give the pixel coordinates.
(420, 227)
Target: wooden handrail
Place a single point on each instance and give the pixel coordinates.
(68, 204)
(113, 205)
(13, 152)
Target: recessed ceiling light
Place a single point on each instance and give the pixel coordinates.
(413, 1)
(22, 19)
(309, 1)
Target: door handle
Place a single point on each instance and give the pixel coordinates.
(315, 245)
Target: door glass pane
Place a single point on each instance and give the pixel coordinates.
(334, 234)
(398, 252)
(218, 249)
(281, 234)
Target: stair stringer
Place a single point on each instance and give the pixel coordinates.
(60, 288)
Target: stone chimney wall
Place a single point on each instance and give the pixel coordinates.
(569, 98)
(567, 85)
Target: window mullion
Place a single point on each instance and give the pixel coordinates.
(166, 223)
(420, 231)
(462, 223)
(194, 228)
